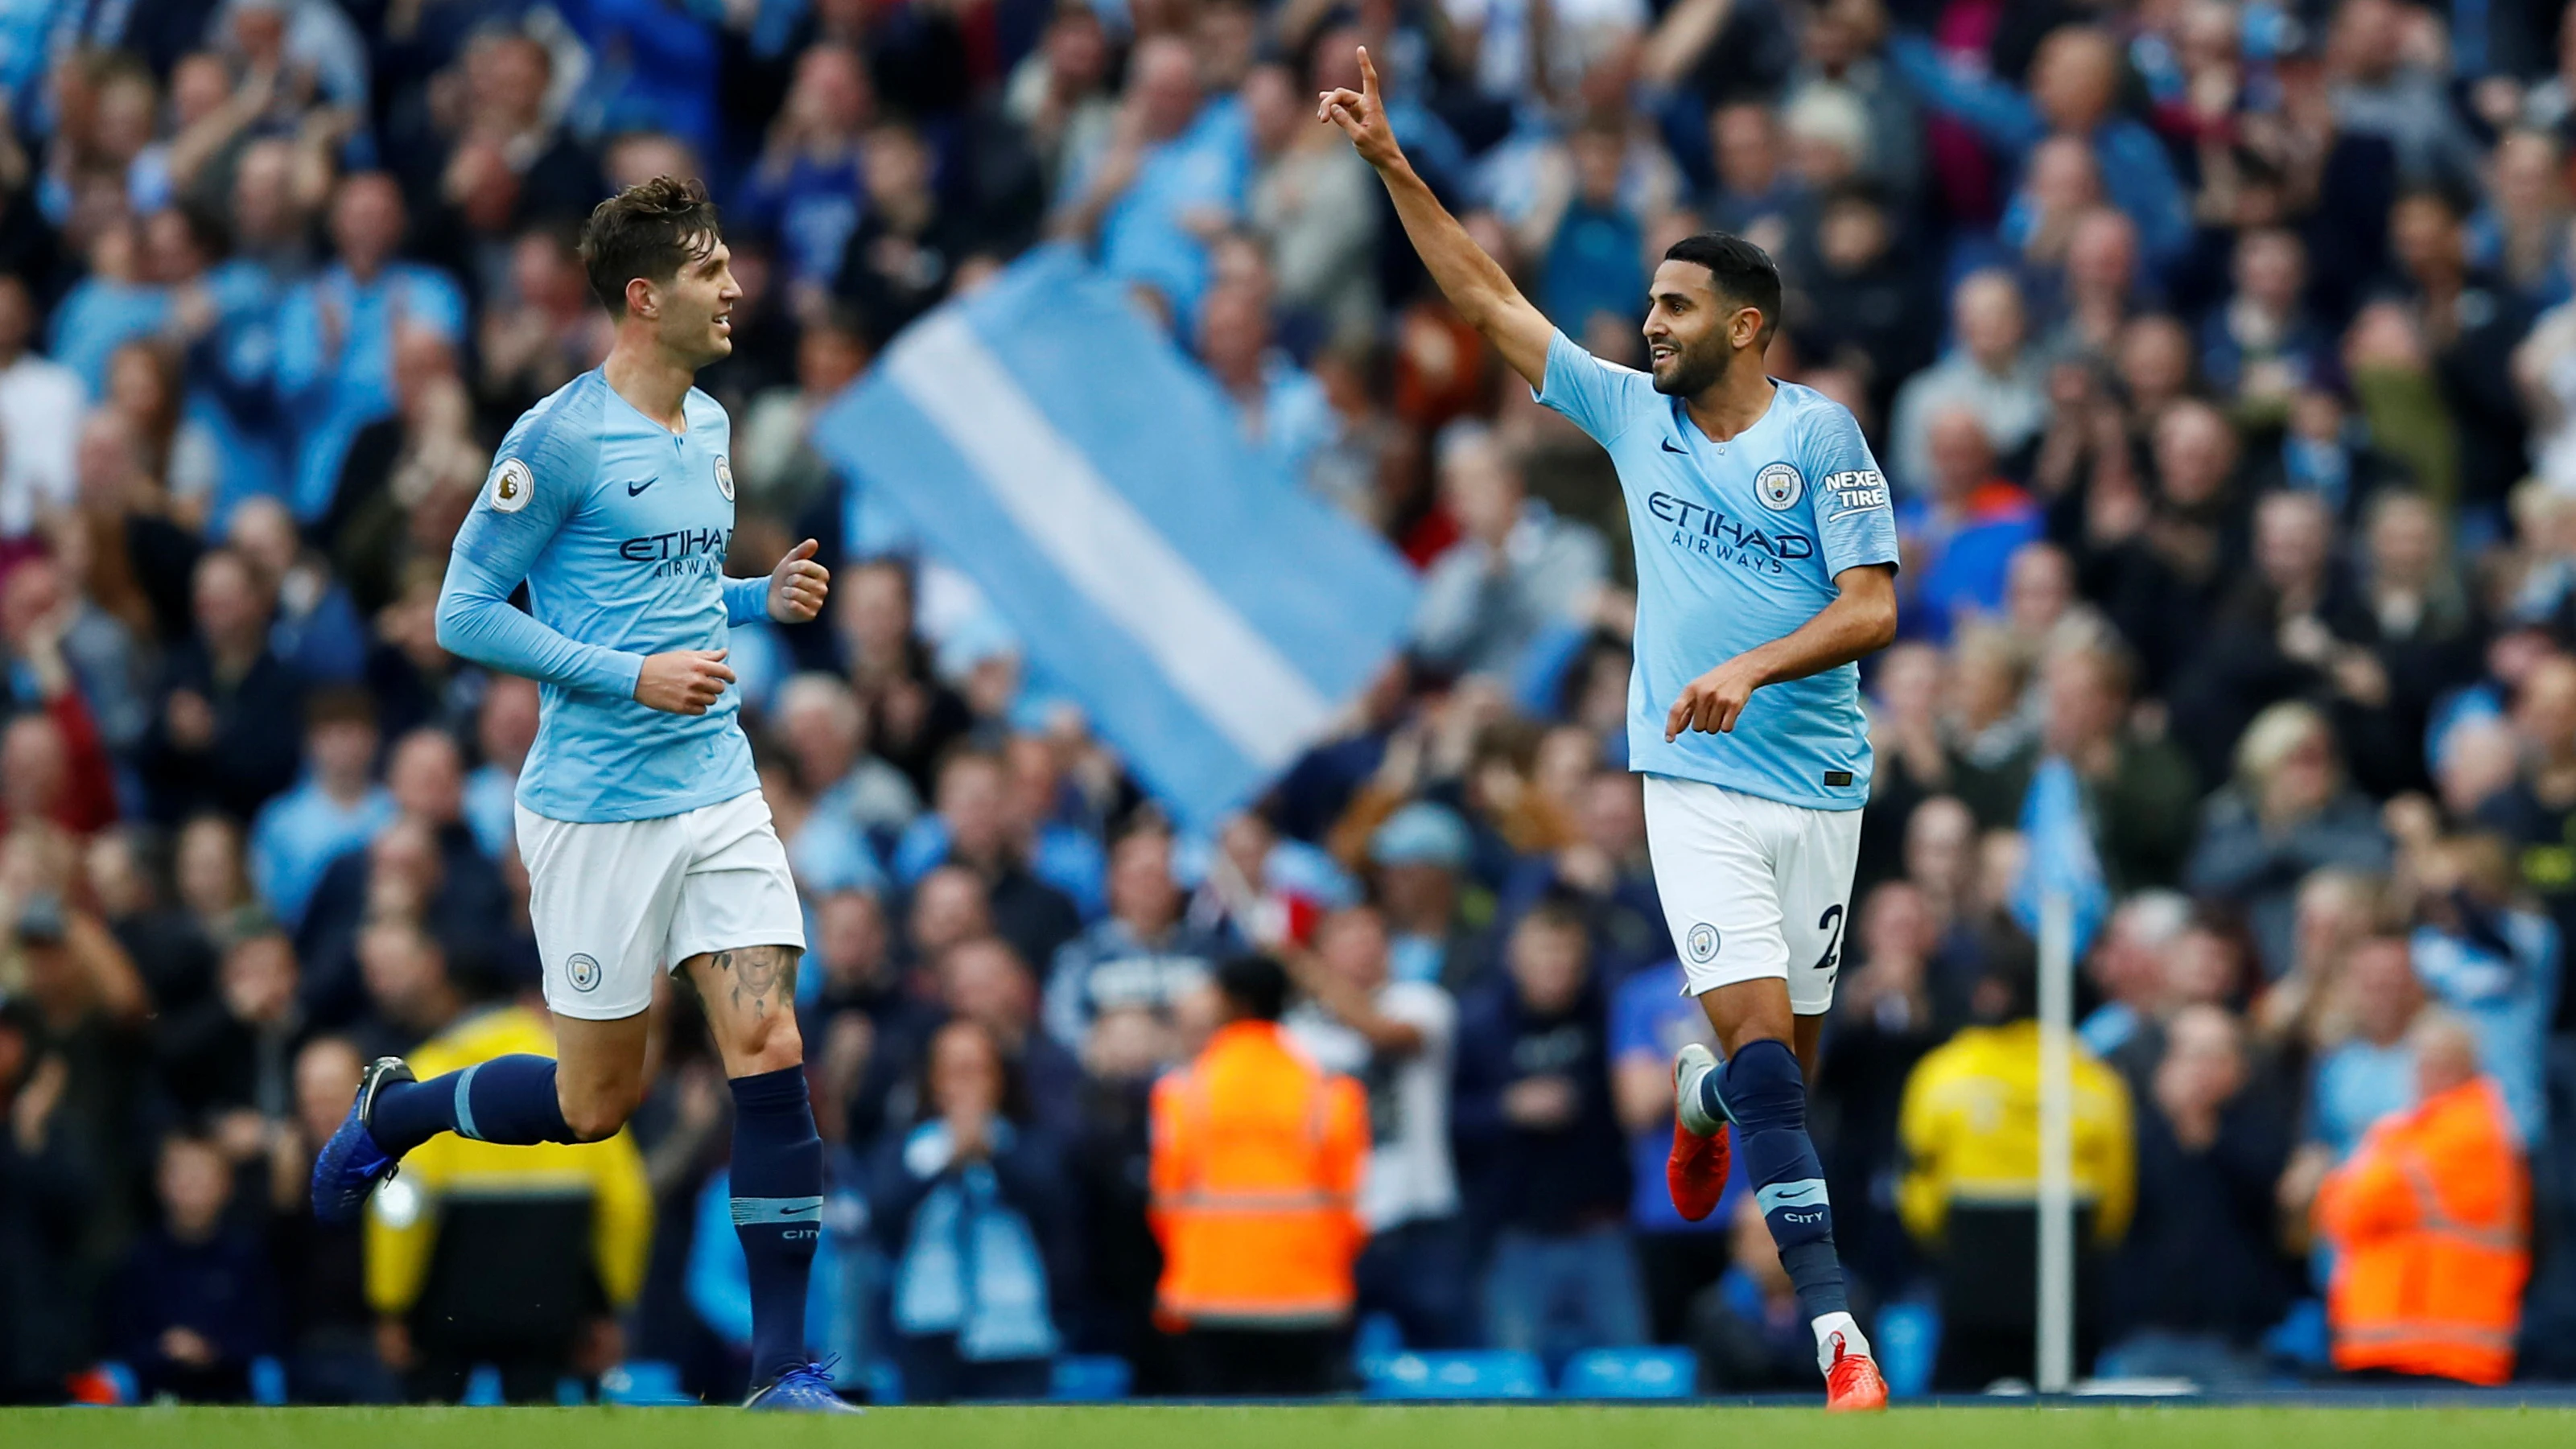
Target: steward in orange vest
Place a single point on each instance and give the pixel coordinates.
(1257, 1155)
(2429, 1220)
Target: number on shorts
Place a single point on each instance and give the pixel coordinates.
(1831, 920)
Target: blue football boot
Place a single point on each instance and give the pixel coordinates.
(805, 1390)
(351, 1164)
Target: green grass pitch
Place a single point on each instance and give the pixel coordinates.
(1338, 1426)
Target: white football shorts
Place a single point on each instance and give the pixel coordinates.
(1752, 888)
(616, 901)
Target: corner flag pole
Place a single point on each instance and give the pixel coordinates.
(2056, 1142)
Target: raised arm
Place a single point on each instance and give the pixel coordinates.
(1473, 282)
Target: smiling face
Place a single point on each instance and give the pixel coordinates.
(1693, 332)
(692, 313)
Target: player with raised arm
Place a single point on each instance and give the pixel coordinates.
(647, 842)
(1766, 566)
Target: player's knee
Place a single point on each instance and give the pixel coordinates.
(1764, 1088)
(771, 1043)
(594, 1114)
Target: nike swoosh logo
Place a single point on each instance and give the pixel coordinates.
(1672, 447)
(634, 488)
(792, 1211)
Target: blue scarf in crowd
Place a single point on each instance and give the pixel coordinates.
(970, 1263)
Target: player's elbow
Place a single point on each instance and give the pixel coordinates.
(451, 620)
(1882, 623)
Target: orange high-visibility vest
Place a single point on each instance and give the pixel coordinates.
(1256, 1162)
(2430, 1226)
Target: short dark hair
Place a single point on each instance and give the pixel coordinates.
(649, 230)
(1742, 272)
(339, 705)
(1255, 986)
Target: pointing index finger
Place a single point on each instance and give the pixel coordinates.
(1368, 75)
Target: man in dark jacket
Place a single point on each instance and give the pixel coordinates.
(195, 1303)
(1539, 1147)
(230, 724)
(2200, 1276)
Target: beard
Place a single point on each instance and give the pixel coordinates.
(1692, 371)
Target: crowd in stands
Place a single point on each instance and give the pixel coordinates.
(2222, 356)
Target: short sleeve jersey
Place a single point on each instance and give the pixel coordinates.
(1738, 544)
(620, 528)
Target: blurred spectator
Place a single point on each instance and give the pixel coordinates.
(1990, 372)
(1397, 1039)
(337, 809)
(560, 1234)
(2074, 90)
(1262, 1301)
(1518, 574)
(2493, 963)
(231, 710)
(1960, 532)
(1143, 955)
(2382, 88)
(2127, 969)
(49, 1179)
(912, 717)
(2366, 1078)
(335, 335)
(2262, 346)
(423, 868)
(775, 466)
(972, 828)
(867, 1028)
(1284, 412)
(2428, 1222)
(971, 1206)
(983, 980)
(1312, 206)
(38, 397)
(1169, 177)
(2535, 813)
(238, 1049)
(317, 631)
(806, 188)
(1539, 1148)
(2199, 1278)
(196, 1304)
(329, 1330)
(1970, 1132)
(2137, 787)
(1605, 873)
(1882, 1024)
(505, 729)
(1652, 1017)
(1419, 855)
(2287, 813)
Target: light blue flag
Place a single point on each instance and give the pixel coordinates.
(2060, 854)
(1210, 614)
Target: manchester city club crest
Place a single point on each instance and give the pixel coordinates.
(724, 477)
(584, 971)
(1701, 943)
(1781, 486)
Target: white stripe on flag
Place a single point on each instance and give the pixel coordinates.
(1109, 552)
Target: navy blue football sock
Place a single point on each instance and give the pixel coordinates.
(777, 1210)
(1767, 1096)
(507, 1099)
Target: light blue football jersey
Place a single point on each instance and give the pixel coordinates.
(1737, 545)
(619, 527)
